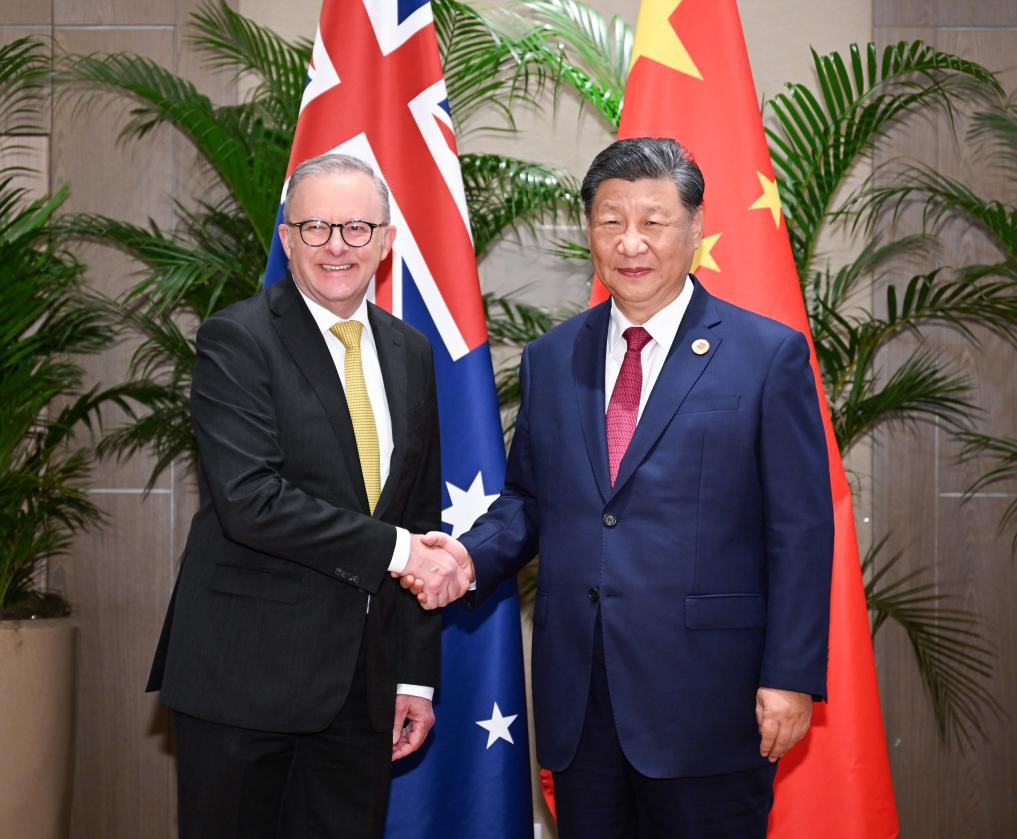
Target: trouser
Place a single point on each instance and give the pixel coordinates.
(602, 796)
(236, 783)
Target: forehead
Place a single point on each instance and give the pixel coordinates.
(644, 192)
(349, 191)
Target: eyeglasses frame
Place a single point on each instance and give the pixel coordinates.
(340, 225)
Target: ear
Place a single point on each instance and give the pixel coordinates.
(390, 234)
(285, 231)
(696, 225)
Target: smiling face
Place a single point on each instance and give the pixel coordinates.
(642, 240)
(335, 275)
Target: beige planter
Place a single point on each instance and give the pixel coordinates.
(36, 727)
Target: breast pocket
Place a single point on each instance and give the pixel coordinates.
(701, 404)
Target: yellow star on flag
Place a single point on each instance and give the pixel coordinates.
(770, 199)
(656, 38)
(702, 258)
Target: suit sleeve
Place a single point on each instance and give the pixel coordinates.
(505, 538)
(240, 458)
(798, 510)
(420, 651)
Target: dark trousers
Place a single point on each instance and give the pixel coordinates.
(235, 783)
(601, 795)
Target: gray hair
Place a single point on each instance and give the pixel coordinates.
(646, 157)
(333, 164)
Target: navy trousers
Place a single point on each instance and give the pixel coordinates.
(601, 795)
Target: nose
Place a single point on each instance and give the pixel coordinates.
(631, 242)
(336, 244)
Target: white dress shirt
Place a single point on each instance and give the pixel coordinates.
(662, 327)
(375, 383)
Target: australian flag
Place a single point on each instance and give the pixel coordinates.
(375, 90)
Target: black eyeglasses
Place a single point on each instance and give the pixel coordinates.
(315, 233)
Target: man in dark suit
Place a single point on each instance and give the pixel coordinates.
(289, 654)
(670, 467)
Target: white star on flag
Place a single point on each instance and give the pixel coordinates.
(498, 726)
(467, 506)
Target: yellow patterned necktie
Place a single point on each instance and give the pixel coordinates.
(364, 429)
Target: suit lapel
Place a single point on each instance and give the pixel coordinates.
(299, 334)
(588, 369)
(392, 358)
(682, 369)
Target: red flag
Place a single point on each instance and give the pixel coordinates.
(691, 80)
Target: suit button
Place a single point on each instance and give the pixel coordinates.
(593, 594)
(610, 519)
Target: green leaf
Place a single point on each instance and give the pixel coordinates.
(954, 659)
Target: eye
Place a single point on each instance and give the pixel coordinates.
(315, 224)
(355, 227)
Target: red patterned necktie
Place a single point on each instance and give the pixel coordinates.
(623, 410)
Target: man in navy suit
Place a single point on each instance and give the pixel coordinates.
(669, 465)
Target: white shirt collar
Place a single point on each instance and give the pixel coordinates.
(325, 319)
(663, 326)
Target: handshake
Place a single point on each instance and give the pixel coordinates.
(438, 571)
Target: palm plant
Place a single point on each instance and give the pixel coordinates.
(47, 320)
(218, 250)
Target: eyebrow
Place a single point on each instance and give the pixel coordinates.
(611, 207)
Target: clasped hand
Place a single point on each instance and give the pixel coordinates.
(439, 569)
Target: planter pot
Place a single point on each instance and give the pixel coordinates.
(36, 727)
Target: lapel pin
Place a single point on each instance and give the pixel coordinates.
(700, 346)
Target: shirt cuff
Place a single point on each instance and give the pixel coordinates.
(422, 691)
(401, 552)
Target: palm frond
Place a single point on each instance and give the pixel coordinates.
(961, 303)
(23, 65)
(491, 61)
(941, 199)
(954, 660)
(997, 129)
(592, 54)
(567, 249)
(230, 41)
(818, 139)
(1002, 451)
(508, 194)
(48, 321)
(920, 387)
(830, 290)
(235, 143)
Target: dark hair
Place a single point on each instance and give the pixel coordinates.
(646, 157)
(332, 164)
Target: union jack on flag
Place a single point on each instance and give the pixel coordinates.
(375, 90)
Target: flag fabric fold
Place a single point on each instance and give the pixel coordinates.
(375, 90)
(690, 80)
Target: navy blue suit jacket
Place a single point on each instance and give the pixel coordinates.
(709, 558)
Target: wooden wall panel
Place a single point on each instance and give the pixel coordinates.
(118, 12)
(123, 784)
(120, 579)
(21, 12)
(948, 793)
(130, 181)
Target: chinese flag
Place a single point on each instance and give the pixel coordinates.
(691, 80)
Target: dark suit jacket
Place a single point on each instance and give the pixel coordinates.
(271, 605)
(709, 558)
